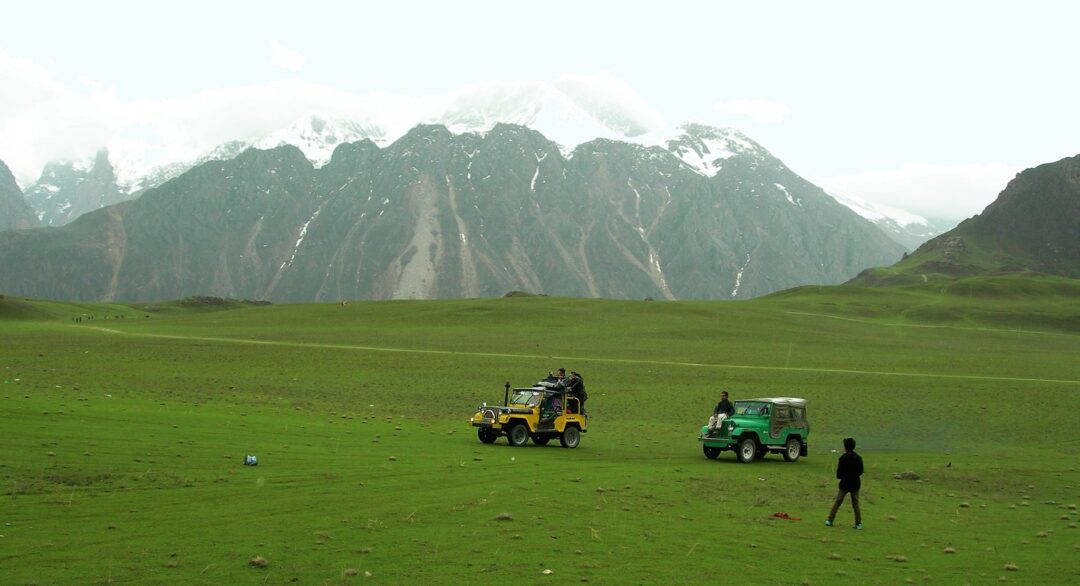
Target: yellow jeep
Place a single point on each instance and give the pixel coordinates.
(541, 413)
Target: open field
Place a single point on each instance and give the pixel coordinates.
(124, 437)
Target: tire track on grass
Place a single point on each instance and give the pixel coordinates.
(849, 371)
(930, 326)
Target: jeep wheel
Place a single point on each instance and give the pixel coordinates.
(541, 440)
(487, 435)
(747, 450)
(711, 452)
(518, 435)
(571, 437)
(792, 449)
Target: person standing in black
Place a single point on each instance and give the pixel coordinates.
(848, 470)
(575, 384)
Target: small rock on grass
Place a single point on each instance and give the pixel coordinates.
(834, 556)
(1042, 535)
(897, 558)
(950, 550)
(351, 571)
(258, 562)
(1011, 568)
(504, 517)
(547, 572)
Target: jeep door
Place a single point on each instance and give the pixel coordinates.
(780, 421)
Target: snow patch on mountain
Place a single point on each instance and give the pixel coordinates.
(705, 148)
(787, 194)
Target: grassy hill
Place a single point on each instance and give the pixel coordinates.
(124, 438)
(1032, 226)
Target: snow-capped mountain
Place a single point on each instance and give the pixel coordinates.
(317, 136)
(569, 111)
(494, 211)
(705, 148)
(67, 189)
(908, 229)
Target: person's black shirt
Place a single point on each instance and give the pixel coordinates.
(724, 407)
(848, 470)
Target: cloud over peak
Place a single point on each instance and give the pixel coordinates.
(762, 111)
(285, 58)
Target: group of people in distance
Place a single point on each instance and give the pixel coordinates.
(849, 468)
(574, 385)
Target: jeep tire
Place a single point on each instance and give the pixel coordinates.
(747, 450)
(487, 435)
(711, 452)
(518, 435)
(792, 449)
(571, 437)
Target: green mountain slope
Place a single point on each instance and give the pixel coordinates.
(1034, 225)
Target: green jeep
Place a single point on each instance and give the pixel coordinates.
(758, 427)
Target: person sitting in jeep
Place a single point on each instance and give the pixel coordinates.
(550, 408)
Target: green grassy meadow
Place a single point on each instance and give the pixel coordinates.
(124, 436)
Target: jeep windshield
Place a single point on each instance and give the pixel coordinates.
(526, 397)
(750, 408)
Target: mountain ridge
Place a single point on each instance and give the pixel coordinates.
(438, 214)
(57, 202)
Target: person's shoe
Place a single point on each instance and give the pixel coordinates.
(857, 526)
(828, 523)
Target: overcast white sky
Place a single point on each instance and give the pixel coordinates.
(926, 106)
